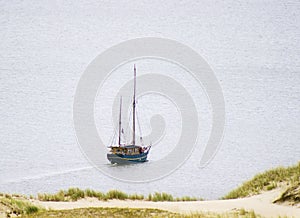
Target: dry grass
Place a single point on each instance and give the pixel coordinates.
(291, 195)
(129, 213)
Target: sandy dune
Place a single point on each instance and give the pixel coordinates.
(261, 204)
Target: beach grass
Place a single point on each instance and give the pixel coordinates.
(160, 197)
(15, 206)
(74, 194)
(267, 181)
(20, 206)
(290, 195)
(116, 194)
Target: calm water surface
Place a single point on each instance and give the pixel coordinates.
(252, 46)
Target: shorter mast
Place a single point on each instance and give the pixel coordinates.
(120, 122)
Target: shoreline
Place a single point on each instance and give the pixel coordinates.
(254, 197)
(260, 204)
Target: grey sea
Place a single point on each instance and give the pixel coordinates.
(252, 47)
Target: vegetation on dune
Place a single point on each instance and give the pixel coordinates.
(160, 197)
(115, 194)
(157, 196)
(261, 182)
(14, 205)
(290, 195)
(74, 194)
(130, 212)
(267, 181)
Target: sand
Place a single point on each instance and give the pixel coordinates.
(261, 204)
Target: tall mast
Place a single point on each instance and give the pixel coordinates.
(120, 122)
(133, 105)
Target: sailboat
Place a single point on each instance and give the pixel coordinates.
(128, 153)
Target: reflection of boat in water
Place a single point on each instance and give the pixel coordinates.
(128, 153)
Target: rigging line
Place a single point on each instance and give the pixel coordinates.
(140, 129)
(113, 138)
(123, 134)
(127, 133)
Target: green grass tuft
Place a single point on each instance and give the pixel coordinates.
(16, 207)
(31, 209)
(95, 194)
(116, 194)
(136, 197)
(160, 197)
(75, 194)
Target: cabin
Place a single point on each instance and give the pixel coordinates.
(127, 150)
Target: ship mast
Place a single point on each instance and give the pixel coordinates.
(120, 122)
(133, 105)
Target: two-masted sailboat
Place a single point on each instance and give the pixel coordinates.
(128, 153)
